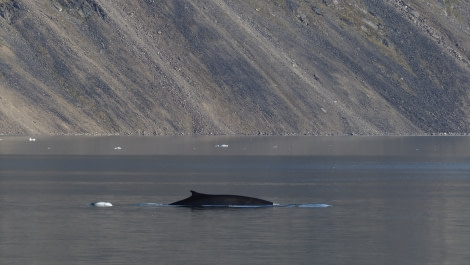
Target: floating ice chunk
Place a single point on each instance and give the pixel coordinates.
(101, 204)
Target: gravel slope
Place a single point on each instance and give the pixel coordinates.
(313, 67)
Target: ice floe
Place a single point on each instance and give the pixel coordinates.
(101, 204)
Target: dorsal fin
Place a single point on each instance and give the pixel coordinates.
(196, 194)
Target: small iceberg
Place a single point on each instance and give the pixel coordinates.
(101, 204)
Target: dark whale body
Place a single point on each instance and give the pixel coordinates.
(200, 200)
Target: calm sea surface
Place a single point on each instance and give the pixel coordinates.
(394, 200)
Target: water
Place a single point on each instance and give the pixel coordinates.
(395, 200)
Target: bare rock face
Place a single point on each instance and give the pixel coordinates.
(8, 10)
(313, 67)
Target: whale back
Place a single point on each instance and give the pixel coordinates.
(200, 199)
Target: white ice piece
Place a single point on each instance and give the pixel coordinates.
(101, 204)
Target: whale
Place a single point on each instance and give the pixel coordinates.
(198, 199)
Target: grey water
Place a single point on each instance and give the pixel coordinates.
(394, 200)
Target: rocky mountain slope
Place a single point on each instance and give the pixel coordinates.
(234, 67)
